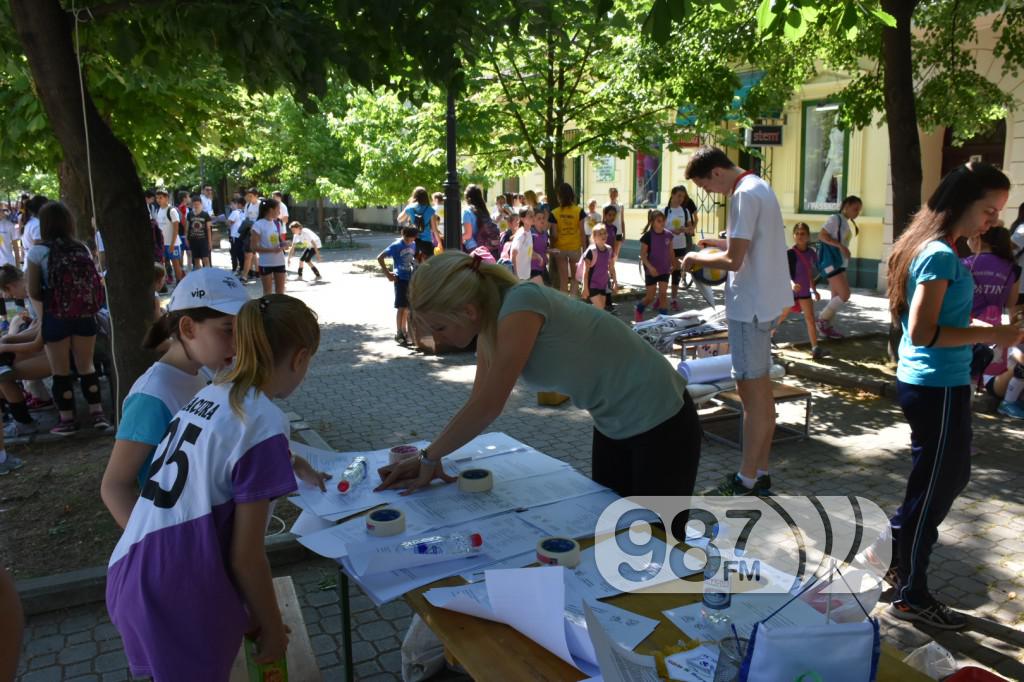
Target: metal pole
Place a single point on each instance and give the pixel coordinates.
(452, 198)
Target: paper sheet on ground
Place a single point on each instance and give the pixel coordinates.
(504, 536)
(616, 662)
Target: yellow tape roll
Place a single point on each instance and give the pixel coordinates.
(476, 481)
(381, 523)
(558, 552)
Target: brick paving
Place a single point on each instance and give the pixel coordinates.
(365, 392)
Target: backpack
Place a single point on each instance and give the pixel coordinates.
(487, 234)
(74, 288)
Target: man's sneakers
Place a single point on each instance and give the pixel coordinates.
(935, 613)
(826, 329)
(1014, 409)
(732, 486)
(10, 464)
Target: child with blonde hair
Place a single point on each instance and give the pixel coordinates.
(189, 576)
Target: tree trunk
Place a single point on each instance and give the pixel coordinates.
(901, 115)
(45, 31)
(560, 172)
(75, 195)
(549, 177)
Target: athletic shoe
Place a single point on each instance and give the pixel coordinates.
(675, 306)
(638, 315)
(732, 486)
(1015, 410)
(10, 464)
(5, 370)
(763, 486)
(401, 339)
(100, 423)
(317, 278)
(935, 614)
(773, 342)
(34, 404)
(65, 428)
(826, 329)
(818, 353)
(18, 430)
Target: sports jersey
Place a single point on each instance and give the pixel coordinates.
(170, 589)
(676, 219)
(151, 403)
(659, 250)
(270, 238)
(7, 230)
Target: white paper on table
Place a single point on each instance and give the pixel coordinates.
(617, 663)
(624, 627)
(299, 502)
(486, 445)
(517, 561)
(695, 665)
(504, 536)
(572, 518)
(308, 523)
(586, 580)
(439, 510)
(746, 610)
(508, 465)
(645, 576)
(379, 558)
(469, 599)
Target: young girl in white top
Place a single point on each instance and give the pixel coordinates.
(834, 255)
(189, 576)
(199, 327)
(266, 241)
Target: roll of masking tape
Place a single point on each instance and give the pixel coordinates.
(558, 552)
(476, 481)
(400, 452)
(384, 522)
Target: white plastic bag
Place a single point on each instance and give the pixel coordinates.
(933, 660)
(422, 652)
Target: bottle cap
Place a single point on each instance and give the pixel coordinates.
(475, 540)
(343, 486)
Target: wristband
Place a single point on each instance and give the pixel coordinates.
(934, 338)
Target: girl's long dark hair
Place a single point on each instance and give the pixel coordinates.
(937, 220)
(56, 223)
(652, 215)
(266, 206)
(475, 198)
(999, 243)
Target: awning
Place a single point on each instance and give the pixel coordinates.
(748, 79)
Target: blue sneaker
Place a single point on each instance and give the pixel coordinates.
(1015, 410)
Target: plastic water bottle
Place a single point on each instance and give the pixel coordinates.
(715, 603)
(354, 473)
(454, 544)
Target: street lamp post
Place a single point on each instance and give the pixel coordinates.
(452, 200)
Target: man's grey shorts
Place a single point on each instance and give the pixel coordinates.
(750, 344)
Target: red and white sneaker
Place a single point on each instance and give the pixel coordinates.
(34, 404)
(675, 306)
(826, 329)
(638, 315)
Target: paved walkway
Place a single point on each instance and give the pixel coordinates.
(365, 392)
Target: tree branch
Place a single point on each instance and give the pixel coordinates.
(517, 117)
(621, 124)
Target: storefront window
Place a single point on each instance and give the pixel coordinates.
(823, 172)
(647, 180)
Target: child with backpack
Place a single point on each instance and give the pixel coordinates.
(803, 272)
(656, 256)
(421, 215)
(190, 576)
(200, 236)
(67, 292)
(597, 263)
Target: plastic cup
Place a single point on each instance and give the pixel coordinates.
(730, 658)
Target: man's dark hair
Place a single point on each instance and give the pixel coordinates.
(252, 190)
(410, 231)
(150, 194)
(705, 160)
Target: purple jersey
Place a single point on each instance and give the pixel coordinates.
(540, 250)
(659, 250)
(599, 262)
(613, 233)
(803, 268)
(992, 279)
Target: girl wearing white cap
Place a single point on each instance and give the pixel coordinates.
(200, 324)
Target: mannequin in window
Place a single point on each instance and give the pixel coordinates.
(833, 166)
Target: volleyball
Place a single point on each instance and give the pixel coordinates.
(709, 276)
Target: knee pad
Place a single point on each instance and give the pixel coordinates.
(677, 275)
(90, 387)
(1018, 372)
(63, 392)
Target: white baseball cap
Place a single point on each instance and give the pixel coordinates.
(209, 288)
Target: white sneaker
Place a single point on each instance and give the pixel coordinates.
(15, 429)
(10, 464)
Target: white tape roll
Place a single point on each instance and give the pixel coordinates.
(400, 452)
(384, 522)
(558, 552)
(476, 481)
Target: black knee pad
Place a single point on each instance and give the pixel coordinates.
(91, 387)
(1018, 372)
(677, 275)
(63, 392)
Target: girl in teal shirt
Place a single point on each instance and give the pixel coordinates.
(930, 297)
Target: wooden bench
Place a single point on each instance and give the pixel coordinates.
(301, 661)
(732, 409)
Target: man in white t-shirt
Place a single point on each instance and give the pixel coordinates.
(756, 293)
(282, 207)
(235, 219)
(207, 198)
(7, 231)
(168, 219)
